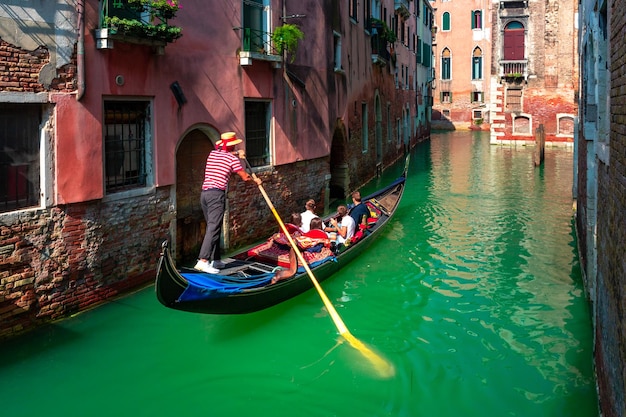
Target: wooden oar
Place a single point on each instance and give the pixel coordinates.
(382, 367)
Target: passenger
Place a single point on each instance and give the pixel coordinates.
(316, 229)
(295, 226)
(359, 212)
(343, 225)
(307, 215)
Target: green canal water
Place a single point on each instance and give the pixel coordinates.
(473, 293)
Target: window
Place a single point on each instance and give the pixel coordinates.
(446, 65)
(446, 97)
(337, 51)
(514, 41)
(389, 130)
(477, 114)
(477, 64)
(126, 145)
(118, 8)
(477, 19)
(256, 37)
(418, 50)
(364, 131)
(445, 21)
(19, 156)
(354, 10)
(514, 99)
(367, 10)
(258, 116)
(477, 96)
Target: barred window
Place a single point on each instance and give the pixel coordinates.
(258, 132)
(126, 145)
(20, 133)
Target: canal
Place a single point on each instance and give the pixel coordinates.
(473, 293)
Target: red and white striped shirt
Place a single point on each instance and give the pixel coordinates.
(219, 166)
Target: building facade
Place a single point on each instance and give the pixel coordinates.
(506, 66)
(107, 115)
(534, 71)
(462, 62)
(600, 190)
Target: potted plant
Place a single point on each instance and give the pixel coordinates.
(137, 28)
(285, 39)
(383, 30)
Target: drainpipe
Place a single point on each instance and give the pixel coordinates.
(80, 50)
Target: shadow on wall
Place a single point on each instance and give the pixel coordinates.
(440, 122)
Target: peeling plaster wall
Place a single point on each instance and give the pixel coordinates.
(44, 23)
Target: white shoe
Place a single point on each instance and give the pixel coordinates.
(206, 267)
(218, 264)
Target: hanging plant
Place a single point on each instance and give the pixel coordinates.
(285, 39)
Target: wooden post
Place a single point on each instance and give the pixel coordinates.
(540, 145)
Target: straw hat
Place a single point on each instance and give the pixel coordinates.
(228, 139)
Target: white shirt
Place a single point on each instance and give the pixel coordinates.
(348, 222)
(306, 220)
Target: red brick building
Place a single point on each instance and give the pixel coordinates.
(534, 71)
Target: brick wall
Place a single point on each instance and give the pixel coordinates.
(58, 261)
(19, 70)
(610, 349)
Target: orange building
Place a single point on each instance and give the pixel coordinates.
(462, 64)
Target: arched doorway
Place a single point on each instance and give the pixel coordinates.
(340, 175)
(190, 161)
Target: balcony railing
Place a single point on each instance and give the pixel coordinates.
(514, 69)
(380, 54)
(402, 7)
(257, 44)
(138, 22)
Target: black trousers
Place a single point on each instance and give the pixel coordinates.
(213, 202)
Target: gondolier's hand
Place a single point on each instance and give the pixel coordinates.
(241, 153)
(257, 180)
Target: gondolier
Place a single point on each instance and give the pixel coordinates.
(220, 164)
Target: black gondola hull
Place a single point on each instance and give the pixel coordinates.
(171, 284)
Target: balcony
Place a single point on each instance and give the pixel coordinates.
(380, 54)
(381, 37)
(257, 45)
(402, 8)
(514, 69)
(141, 22)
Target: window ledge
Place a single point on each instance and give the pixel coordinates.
(246, 58)
(135, 192)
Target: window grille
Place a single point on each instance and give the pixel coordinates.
(125, 144)
(19, 156)
(257, 133)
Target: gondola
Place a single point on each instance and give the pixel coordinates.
(245, 284)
